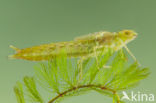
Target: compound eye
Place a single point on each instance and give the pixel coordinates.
(127, 33)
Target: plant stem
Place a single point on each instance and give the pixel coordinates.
(83, 86)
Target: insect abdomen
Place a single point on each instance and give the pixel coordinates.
(49, 51)
(36, 53)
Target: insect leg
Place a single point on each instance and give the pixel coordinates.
(80, 63)
(106, 66)
(131, 54)
(96, 57)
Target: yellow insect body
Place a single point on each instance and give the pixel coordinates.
(81, 46)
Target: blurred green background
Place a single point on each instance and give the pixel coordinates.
(25, 23)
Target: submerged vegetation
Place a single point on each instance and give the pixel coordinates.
(59, 78)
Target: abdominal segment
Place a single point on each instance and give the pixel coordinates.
(50, 51)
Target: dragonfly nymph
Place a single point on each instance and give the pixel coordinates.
(83, 46)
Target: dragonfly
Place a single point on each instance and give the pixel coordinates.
(90, 45)
(83, 46)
